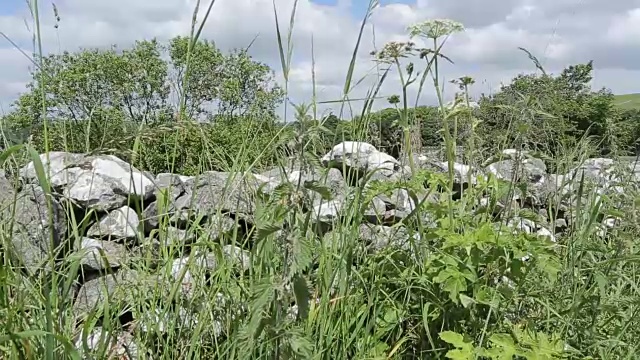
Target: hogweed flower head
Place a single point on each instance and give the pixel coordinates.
(435, 28)
(394, 50)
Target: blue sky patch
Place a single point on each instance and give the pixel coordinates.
(11, 7)
(358, 7)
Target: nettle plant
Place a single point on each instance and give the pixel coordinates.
(464, 275)
(517, 344)
(474, 275)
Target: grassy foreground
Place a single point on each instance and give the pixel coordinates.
(462, 292)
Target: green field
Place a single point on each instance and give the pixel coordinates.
(628, 101)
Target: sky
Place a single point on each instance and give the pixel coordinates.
(558, 32)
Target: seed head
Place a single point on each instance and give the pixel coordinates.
(394, 50)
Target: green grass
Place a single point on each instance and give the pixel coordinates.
(628, 101)
(439, 296)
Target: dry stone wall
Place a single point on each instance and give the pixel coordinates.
(107, 214)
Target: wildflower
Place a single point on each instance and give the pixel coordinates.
(435, 28)
(394, 50)
(463, 82)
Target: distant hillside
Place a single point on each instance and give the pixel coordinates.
(628, 101)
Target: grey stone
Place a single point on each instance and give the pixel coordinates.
(176, 237)
(152, 216)
(170, 185)
(121, 223)
(35, 234)
(379, 237)
(327, 212)
(399, 199)
(371, 237)
(216, 191)
(101, 182)
(375, 210)
(120, 344)
(462, 173)
(238, 257)
(100, 255)
(361, 157)
(123, 286)
(218, 226)
(529, 170)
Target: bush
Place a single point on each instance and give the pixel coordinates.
(545, 113)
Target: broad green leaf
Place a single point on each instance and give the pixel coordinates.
(463, 350)
(454, 339)
(301, 291)
(455, 285)
(460, 354)
(265, 230)
(324, 191)
(466, 301)
(10, 151)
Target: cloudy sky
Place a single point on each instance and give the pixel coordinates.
(558, 32)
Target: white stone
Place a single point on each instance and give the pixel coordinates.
(328, 211)
(128, 177)
(362, 156)
(92, 249)
(119, 223)
(546, 233)
(101, 182)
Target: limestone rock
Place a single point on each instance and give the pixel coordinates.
(99, 255)
(101, 182)
(361, 157)
(121, 223)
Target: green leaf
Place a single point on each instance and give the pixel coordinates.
(452, 281)
(324, 191)
(460, 354)
(40, 174)
(300, 345)
(466, 301)
(10, 151)
(262, 296)
(265, 230)
(454, 339)
(464, 350)
(505, 346)
(303, 295)
(21, 335)
(24, 335)
(301, 253)
(488, 296)
(455, 285)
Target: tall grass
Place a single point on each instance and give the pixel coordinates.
(438, 297)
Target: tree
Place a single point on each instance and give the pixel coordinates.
(144, 89)
(107, 100)
(136, 83)
(78, 85)
(541, 110)
(248, 87)
(235, 83)
(90, 96)
(383, 128)
(201, 83)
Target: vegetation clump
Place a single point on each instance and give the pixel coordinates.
(138, 227)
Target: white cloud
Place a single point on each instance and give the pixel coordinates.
(625, 28)
(559, 32)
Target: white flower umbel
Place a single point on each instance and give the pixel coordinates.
(435, 28)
